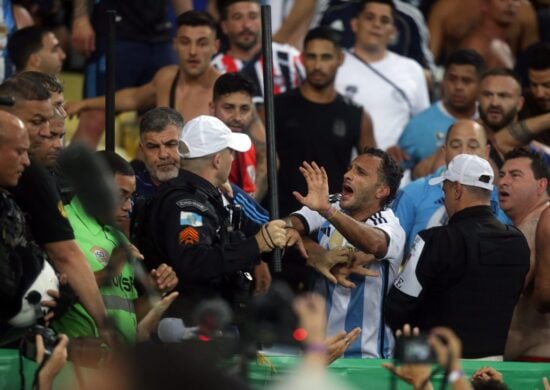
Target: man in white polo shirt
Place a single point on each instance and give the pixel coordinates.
(390, 87)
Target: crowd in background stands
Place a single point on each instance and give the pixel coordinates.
(375, 100)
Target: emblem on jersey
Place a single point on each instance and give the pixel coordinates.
(185, 203)
(61, 209)
(100, 254)
(339, 128)
(188, 218)
(351, 90)
(189, 236)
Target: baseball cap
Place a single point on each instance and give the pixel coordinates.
(469, 170)
(206, 135)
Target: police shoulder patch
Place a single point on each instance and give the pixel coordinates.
(189, 236)
(188, 218)
(190, 203)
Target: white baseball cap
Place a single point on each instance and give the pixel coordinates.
(206, 135)
(469, 170)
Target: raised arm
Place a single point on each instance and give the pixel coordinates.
(363, 237)
(127, 99)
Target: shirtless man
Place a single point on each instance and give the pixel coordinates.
(542, 273)
(450, 22)
(523, 195)
(186, 87)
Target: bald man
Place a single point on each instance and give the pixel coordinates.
(22, 260)
(420, 206)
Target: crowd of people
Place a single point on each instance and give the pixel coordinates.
(413, 147)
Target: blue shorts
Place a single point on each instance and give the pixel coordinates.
(136, 64)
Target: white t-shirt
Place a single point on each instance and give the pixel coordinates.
(362, 306)
(388, 108)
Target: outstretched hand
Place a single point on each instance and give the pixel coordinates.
(317, 187)
(326, 260)
(356, 266)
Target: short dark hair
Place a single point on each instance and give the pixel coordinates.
(196, 19)
(502, 72)
(156, 120)
(538, 56)
(538, 165)
(389, 171)
(466, 57)
(116, 163)
(22, 43)
(22, 88)
(233, 82)
(50, 81)
(390, 3)
(223, 6)
(325, 33)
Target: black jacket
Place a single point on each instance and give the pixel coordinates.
(468, 276)
(192, 229)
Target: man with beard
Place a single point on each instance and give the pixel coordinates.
(241, 23)
(364, 235)
(159, 133)
(500, 101)
(316, 123)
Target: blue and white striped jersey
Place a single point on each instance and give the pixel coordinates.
(362, 306)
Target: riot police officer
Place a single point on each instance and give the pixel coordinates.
(209, 245)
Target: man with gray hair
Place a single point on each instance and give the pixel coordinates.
(210, 245)
(467, 275)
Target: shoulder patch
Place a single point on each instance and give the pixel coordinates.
(100, 254)
(189, 236)
(185, 203)
(188, 218)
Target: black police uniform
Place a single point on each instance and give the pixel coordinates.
(21, 260)
(468, 276)
(193, 232)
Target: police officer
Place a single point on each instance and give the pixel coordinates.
(467, 275)
(209, 245)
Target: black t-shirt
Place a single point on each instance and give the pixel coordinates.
(307, 131)
(137, 20)
(37, 196)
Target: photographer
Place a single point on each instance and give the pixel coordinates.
(448, 350)
(50, 366)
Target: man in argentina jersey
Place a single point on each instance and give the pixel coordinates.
(360, 222)
(241, 23)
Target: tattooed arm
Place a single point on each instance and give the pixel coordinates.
(520, 133)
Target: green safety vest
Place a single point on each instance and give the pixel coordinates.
(97, 242)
